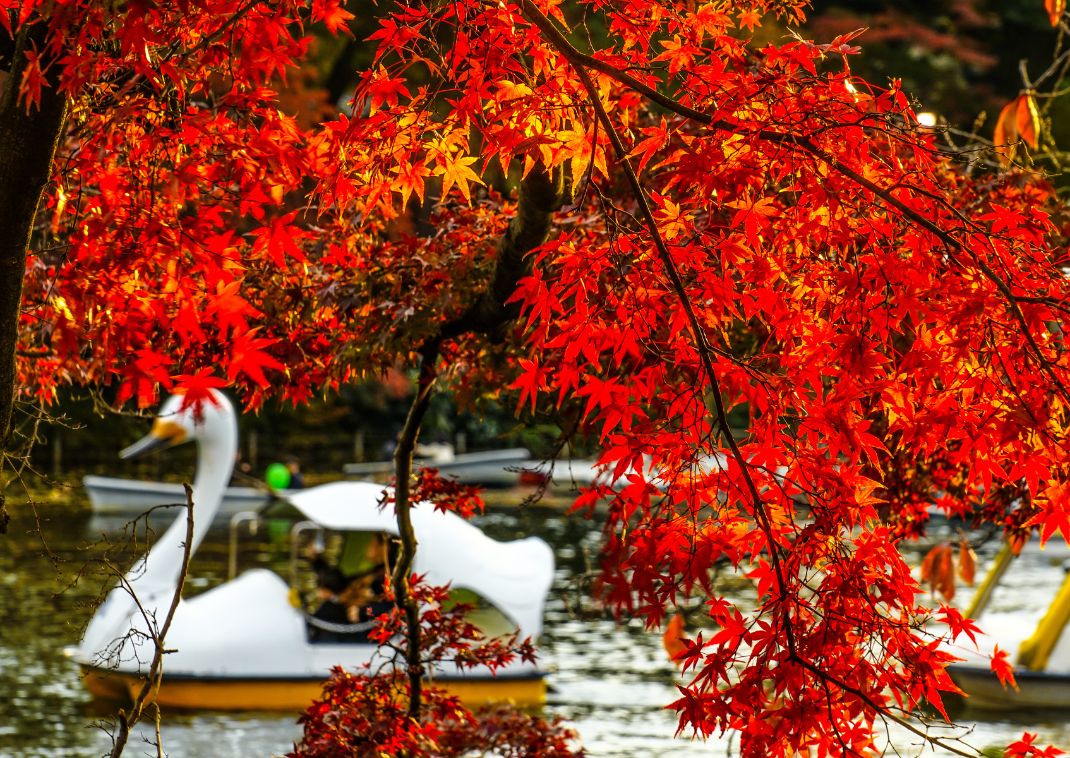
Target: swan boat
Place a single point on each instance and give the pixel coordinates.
(1036, 640)
(244, 645)
(109, 494)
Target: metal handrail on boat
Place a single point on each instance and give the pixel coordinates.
(235, 522)
(295, 545)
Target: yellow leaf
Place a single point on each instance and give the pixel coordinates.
(455, 170)
(1027, 119)
(508, 90)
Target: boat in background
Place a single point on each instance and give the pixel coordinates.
(1034, 639)
(109, 494)
(493, 468)
(246, 645)
(489, 468)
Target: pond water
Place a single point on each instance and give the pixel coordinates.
(609, 681)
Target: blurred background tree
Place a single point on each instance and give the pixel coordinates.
(960, 59)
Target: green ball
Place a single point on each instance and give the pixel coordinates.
(277, 476)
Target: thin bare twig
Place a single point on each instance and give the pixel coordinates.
(151, 684)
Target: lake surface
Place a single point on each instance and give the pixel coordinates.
(610, 681)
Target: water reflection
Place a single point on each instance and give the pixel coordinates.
(609, 681)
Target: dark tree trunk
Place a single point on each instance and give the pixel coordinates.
(541, 194)
(28, 140)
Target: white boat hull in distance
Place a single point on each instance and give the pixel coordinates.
(491, 468)
(1036, 689)
(133, 496)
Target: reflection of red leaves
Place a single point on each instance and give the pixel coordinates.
(1002, 668)
(673, 639)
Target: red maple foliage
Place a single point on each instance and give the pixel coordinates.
(731, 227)
(366, 712)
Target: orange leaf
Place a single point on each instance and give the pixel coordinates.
(1006, 131)
(455, 171)
(1055, 10)
(944, 576)
(938, 569)
(673, 639)
(1002, 668)
(967, 562)
(1027, 119)
(929, 562)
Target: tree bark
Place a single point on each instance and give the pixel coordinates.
(541, 194)
(403, 513)
(28, 140)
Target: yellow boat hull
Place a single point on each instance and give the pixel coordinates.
(293, 695)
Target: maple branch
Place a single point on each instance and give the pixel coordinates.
(702, 345)
(28, 140)
(705, 350)
(581, 61)
(542, 193)
(403, 513)
(825, 676)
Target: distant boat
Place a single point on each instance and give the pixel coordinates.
(133, 496)
(491, 468)
(1033, 638)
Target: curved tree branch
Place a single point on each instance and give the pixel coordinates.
(402, 571)
(541, 194)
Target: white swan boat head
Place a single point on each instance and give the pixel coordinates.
(244, 644)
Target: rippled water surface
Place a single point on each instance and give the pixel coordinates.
(609, 681)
